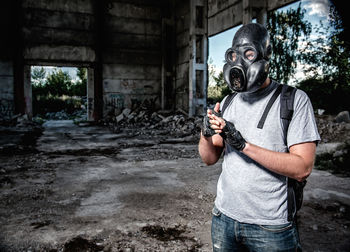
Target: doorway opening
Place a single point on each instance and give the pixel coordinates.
(218, 44)
(59, 93)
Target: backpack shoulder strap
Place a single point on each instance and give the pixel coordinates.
(294, 188)
(227, 102)
(286, 107)
(268, 106)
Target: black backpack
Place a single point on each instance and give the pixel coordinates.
(295, 188)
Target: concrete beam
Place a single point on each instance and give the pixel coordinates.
(226, 14)
(133, 26)
(135, 72)
(54, 36)
(115, 55)
(130, 10)
(131, 86)
(77, 6)
(58, 19)
(62, 53)
(133, 41)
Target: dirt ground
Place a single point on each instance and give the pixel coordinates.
(87, 189)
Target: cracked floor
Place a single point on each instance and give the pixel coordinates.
(87, 189)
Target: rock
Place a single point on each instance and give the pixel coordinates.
(320, 111)
(343, 117)
(126, 112)
(120, 117)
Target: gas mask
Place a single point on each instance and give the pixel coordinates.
(247, 61)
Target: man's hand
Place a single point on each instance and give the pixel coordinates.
(207, 130)
(232, 136)
(227, 131)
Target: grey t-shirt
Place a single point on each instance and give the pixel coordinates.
(247, 191)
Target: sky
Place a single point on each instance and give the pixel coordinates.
(72, 71)
(316, 10)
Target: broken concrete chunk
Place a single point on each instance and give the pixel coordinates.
(343, 117)
(126, 112)
(119, 118)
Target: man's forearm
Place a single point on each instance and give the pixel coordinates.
(209, 151)
(296, 164)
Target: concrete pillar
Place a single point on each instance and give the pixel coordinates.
(261, 16)
(90, 94)
(198, 68)
(168, 62)
(27, 88)
(247, 12)
(254, 8)
(6, 90)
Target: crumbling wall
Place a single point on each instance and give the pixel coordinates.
(225, 14)
(58, 32)
(7, 54)
(136, 51)
(182, 20)
(132, 55)
(7, 91)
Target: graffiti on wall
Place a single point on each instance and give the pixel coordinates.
(7, 108)
(148, 103)
(114, 103)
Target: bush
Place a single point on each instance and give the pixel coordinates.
(327, 95)
(217, 93)
(45, 104)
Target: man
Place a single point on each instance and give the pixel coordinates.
(250, 212)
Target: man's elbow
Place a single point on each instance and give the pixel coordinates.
(302, 176)
(210, 162)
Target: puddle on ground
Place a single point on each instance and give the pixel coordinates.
(80, 244)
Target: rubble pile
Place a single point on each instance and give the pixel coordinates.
(177, 124)
(63, 115)
(18, 134)
(334, 128)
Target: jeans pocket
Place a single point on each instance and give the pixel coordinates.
(277, 228)
(216, 211)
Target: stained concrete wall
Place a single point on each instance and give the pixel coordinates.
(7, 54)
(7, 89)
(137, 51)
(132, 54)
(182, 21)
(225, 14)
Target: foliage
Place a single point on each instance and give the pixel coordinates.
(45, 104)
(80, 87)
(286, 29)
(56, 91)
(218, 91)
(38, 76)
(58, 83)
(328, 68)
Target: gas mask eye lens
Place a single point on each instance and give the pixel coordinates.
(249, 54)
(233, 56)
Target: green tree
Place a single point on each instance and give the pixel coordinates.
(80, 87)
(38, 75)
(58, 83)
(286, 30)
(329, 67)
(38, 80)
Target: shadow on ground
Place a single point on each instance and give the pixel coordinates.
(87, 189)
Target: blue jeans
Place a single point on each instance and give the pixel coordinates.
(230, 235)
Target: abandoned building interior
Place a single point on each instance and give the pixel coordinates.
(67, 187)
(134, 51)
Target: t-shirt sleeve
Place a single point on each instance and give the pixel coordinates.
(303, 127)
